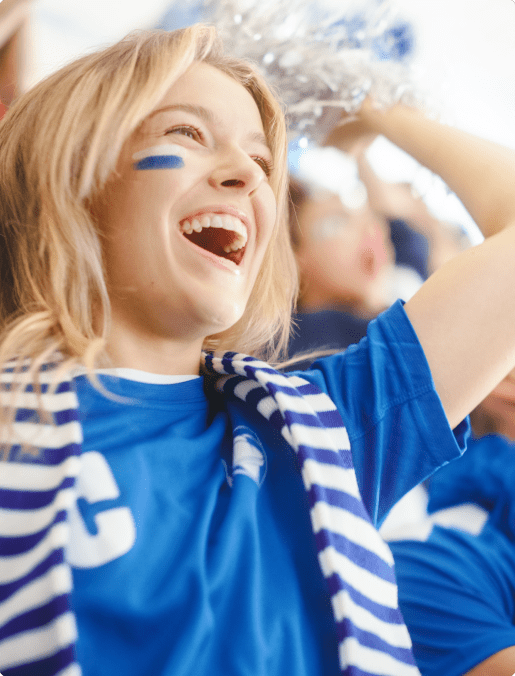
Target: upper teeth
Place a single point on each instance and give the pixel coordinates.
(219, 221)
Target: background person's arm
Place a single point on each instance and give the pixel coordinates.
(464, 315)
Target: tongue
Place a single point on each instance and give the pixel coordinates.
(214, 240)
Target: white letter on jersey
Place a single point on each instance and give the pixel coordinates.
(116, 528)
(247, 458)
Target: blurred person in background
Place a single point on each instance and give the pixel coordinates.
(345, 260)
(455, 567)
(360, 249)
(401, 202)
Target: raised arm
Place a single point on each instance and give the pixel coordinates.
(464, 315)
(385, 198)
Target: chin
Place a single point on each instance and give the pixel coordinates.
(224, 318)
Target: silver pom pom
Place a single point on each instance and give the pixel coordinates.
(322, 57)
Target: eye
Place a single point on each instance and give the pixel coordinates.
(186, 130)
(266, 165)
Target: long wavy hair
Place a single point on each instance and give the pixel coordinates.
(59, 143)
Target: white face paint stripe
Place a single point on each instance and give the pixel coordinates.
(169, 149)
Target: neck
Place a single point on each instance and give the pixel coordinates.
(154, 354)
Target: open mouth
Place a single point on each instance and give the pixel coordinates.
(220, 234)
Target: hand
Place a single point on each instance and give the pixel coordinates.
(353, 133)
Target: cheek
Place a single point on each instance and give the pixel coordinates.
(267, 213)
(332, 262)
(155, 184)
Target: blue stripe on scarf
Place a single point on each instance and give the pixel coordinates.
(307, 388)
(14, 546)
(357, 553)
(10, 499)
(45, 456)
(336, 498)
(308, 419)
(263, 368)
(227, 363)
(31, 415)
(37, 617)
(27, 415)
(384, 613)
(369, 640)
(49, 666)
(327, 457)
(55, 558)
(42, 387)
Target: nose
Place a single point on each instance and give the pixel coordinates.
(373, 227)
(376, 238)
(237, 171)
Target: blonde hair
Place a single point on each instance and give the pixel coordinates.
(59, 143)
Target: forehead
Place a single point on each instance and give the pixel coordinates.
(218, 97)
(315, 208)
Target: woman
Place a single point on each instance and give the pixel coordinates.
(155, 521)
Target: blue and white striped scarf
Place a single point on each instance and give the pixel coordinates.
(37, 627)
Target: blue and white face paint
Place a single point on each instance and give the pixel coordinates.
(167, 156)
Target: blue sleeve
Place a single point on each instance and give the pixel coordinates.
(384, 391)
(457, 597)
(485, 475)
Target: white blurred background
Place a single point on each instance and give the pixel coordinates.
(464, 58)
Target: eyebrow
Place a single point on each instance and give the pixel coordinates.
(209, 117)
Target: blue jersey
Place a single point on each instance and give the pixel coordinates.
(455, 571)
(191, 546)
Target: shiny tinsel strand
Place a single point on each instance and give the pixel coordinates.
(322, 57)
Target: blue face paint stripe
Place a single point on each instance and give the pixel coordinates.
(160, 162)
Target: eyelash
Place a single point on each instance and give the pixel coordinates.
(266, 165)
(197, 135)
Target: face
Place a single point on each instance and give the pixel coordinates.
(189, 212)
(345, 255)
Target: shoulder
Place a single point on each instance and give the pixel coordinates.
(40, 418)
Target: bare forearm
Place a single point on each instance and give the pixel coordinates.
(481, 173)
(500, 664)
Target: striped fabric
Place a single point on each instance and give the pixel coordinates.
(355, 561)
(37, 627)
